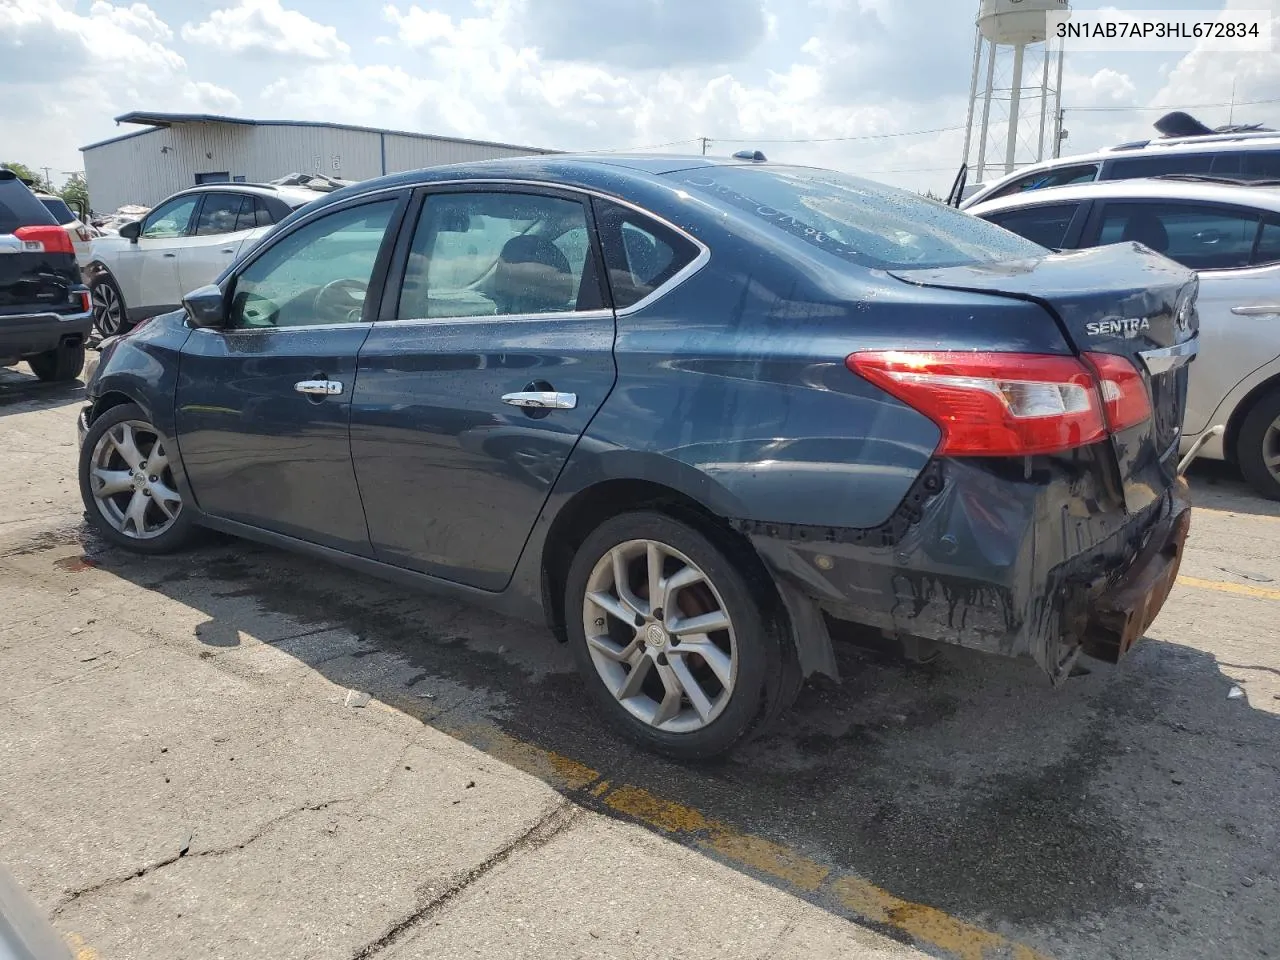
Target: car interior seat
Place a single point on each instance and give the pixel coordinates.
(532, 276)
(1147, 229)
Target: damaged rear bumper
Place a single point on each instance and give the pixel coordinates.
(1045, 563)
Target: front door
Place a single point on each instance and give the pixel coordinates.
(147, 271)
(492, 360)
(263, 406)
(223, 223)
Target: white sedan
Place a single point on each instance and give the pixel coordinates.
(1229, 233)
(183, 243)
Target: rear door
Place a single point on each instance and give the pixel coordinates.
(1219, 242)
(223, 223)
(1123, 300)
(493, 352)
(1053, 225)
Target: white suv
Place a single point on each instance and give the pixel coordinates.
(185, 242)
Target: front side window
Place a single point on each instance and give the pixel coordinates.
(317, 275)
(1046, 225)
(170, 219)
(1057, 177)
(866, 223)
(640, 254)
(220, 214)
(498, 254)
(1198, 236)
(1261, 164)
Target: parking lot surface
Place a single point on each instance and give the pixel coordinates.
(237, 752)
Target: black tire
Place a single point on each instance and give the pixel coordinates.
(104, 294)
(59, 365)
(768, 674)
(1257, 443)
(178, 534)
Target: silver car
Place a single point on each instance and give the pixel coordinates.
(1229, 233)
(24, 932)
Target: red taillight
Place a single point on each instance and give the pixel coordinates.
(993, 404)
(84, 235)
(85, 303)
(50, 239)
(1124, 393)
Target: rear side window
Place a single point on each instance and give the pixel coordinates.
(1046, 225)
(1198, 236)
(640, 254)
(859, 221)
(253, 214)
(20, 208)
(60, 211)
(1058, 177)
(1261, 164)
(220, 214)
(1131, 168)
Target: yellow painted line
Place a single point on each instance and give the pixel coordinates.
(79, 949)
(927, 926)
(1240, 589)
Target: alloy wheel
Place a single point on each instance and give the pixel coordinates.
(132, 481)
(660, 636)
(108, 311)
(1271, 449)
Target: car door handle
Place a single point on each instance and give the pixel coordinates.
(319, 388)
(542, 400)
(228, 250)
(170, 255)
(1258, 311)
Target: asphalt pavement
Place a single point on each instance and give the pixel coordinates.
(237, 752)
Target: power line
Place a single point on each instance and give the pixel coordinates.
(1194, 106)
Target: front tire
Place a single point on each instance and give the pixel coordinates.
(59, 365)
(127, 483)
(109, 316)
(1258, 446)
(676, 645)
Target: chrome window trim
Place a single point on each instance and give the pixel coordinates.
(302, 327)
(685, 273)
(602, 314)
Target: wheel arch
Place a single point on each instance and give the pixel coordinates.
(1241, 411)
(112, 398)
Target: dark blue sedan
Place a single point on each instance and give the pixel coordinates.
(686, 411)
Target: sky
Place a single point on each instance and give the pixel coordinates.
(848, 84)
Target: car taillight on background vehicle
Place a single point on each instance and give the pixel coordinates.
(45, 240)
(1125, 398)
(86, 304)
(993, 404)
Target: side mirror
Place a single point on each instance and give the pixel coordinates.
(206, 307)
(131, 230)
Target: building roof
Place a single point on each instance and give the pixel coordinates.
(158, 120)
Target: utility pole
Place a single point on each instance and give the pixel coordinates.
(47, 182)
(706, 142)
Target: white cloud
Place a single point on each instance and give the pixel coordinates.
(137, 19)
(264, 28)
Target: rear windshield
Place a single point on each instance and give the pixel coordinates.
(61, 212)
(20, 208)
(857, 220)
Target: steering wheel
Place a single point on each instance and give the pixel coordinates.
(342, 299)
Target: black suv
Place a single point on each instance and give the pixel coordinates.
(45, 313)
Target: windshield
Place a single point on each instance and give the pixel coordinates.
(866, 223)
(61, 212)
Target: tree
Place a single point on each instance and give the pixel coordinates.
(26, 173)
(76, 189)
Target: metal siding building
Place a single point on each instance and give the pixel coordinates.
(184, 149)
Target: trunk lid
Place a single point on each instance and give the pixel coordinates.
(1121, 299)
(36, 282)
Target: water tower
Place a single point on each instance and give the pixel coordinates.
(1019, 108)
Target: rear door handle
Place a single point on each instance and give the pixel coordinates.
(228, 249)
(1258, 311)
(170, 255)
(542, 400)
(319, 388)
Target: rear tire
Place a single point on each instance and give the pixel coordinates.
(1258, 446)
(684, 704)
(59, 365)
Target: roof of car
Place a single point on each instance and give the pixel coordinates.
(292, 195)
(1263, 195)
